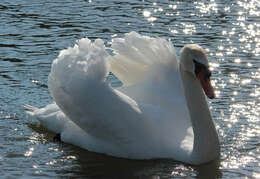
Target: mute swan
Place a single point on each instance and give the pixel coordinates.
(160, 111)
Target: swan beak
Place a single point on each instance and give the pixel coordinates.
(206, 85)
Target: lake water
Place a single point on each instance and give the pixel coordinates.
(33, 32)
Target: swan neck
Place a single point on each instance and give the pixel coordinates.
(206, 143)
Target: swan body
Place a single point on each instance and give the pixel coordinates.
(159, 112)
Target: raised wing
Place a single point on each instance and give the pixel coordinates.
(148, 68)
(77, 85)
(138, 57)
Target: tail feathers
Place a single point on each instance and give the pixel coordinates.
(30, 109)
(49, 116)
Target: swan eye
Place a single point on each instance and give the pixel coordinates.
(208, 75)
(198, 67)
(202, 68)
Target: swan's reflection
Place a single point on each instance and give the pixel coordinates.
(101, 166)
(76, 162)
(209, 170)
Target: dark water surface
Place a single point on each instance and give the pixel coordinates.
(33, 32)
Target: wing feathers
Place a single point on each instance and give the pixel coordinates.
(137, 56)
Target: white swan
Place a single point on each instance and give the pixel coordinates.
(160, 112)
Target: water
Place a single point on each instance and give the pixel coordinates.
(33, 32)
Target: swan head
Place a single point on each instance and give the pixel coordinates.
(193, 59)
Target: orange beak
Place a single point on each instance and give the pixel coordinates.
(206, 85)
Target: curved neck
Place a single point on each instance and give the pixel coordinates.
(206, 144)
